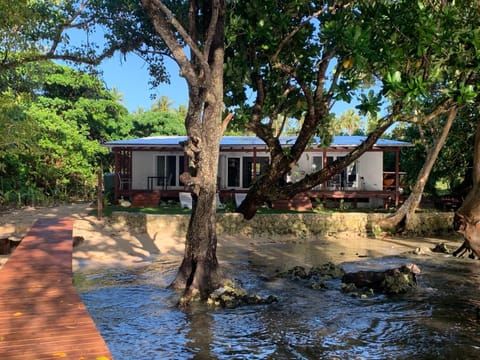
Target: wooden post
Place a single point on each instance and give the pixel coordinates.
(397, 177)
(99, 194)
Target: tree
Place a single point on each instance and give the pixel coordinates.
(34, 31)
(453, 80)
(163, 104)
(466, 217)
(150, 123)
(286, 59)
(319, 54)
(160, 120)
(69, 113)
(454, 165)
(348, 121)
(200, 26)
(403, 215)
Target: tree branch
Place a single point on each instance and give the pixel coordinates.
(294, 31)
(226, 121)
(211, 29)
(161, 24)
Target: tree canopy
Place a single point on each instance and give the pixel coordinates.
(63, 116)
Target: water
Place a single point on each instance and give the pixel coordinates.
(137, 315)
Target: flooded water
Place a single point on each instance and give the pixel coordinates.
(137, 315)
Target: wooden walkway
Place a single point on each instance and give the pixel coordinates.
(41, 314)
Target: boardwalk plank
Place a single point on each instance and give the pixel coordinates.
(41, 314)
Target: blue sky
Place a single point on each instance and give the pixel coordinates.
(130, 77)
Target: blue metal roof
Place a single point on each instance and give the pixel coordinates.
(241, 141)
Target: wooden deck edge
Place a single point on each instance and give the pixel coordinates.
(50, 326)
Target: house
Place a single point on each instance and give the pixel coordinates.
(147, 169)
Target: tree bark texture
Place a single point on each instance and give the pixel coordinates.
(401, 218)
(203, 71)
(467, 217)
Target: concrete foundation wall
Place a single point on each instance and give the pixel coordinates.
(299, 225)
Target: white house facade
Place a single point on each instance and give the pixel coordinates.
(155, 164)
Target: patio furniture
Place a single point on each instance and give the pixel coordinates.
(185, 200)
(124, 182)
(239, 197)
(162, 181)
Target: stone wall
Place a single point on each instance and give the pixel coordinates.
(298, 225)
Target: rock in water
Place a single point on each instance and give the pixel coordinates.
(392, 281)
(232, 296)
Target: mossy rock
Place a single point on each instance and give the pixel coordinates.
(392, 281)
(231, 296)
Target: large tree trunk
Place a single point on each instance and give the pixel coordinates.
(203, 69)
(401, 218)
(199, 274)
(467, 217)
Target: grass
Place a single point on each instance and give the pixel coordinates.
(168, 209)
(173, 208)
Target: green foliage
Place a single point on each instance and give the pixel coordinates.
(348, 123)
(59, 126)
(153, 123)
(128, 29)
(454, 164)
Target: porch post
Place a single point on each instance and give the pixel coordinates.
(324, 165)
(254, 165)
(397, 177)
(116, 180)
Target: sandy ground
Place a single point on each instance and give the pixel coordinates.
(105, 244)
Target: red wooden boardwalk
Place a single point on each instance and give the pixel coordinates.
(41, 314)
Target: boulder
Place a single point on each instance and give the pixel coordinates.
(232, 296)
(391, 281)
(317, 276)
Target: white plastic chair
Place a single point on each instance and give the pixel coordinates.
(124, 183)
(185, 200)
(239, 197)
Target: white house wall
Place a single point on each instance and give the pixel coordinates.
(370, 167)
(143, 165)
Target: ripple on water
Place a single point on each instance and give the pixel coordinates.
(139, 322)
(139, 319)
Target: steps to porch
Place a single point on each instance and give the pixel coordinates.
(145, 198)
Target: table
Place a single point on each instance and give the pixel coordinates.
(161, 181)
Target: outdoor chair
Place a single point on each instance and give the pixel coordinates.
(185, 200)
(163, 182)
(124, 182)
(239, 197)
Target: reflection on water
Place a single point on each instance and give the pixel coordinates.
(136, 314)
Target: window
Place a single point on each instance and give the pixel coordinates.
(351, 175)
(181, 170)
(253, 169)
(167, 173)
(241, 171)
(317, 163)
(233, 172)
(347, 178)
